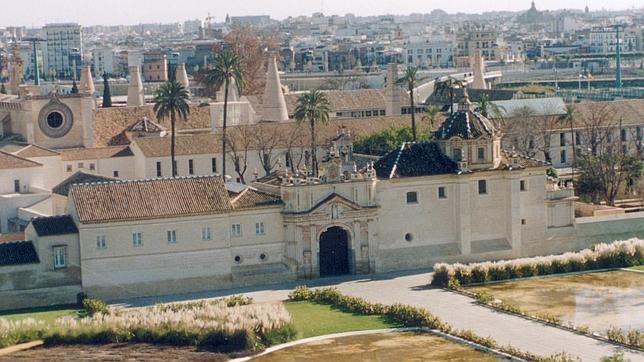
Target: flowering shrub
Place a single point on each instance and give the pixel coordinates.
(94, 305)
(213, 326)
(615, 255)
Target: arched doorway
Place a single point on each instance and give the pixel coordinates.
(334, 252)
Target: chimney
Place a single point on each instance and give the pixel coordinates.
(182, 76)
(86, 81)
(478, 65)
(135, 95)
(392, 92)
(274, 104)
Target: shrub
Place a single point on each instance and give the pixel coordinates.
(94, 305)
(301, 292)
(615, 255)
(561, 357)
(235, 300)
(618, 356)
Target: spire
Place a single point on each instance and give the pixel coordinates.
(274, 103)
(182, 76)
(135, 95)
(86, 81)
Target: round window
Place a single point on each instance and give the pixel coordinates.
(238, 259)
(54, 120)
(263, 257)
(409, 237)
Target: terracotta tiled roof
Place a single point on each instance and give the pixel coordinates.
(9, 161)
(195, 144)
(36, 151)
(110, 123)
(12, 237)
(73, 154)
(251, 197)
(150, 199)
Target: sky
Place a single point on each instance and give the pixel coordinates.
(109, 12)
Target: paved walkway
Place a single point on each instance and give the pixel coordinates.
(457, 310)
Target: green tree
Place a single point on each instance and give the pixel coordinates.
(570, 118)
(446, 88)
(487, 107)
(170, 100)
(409, 80)
(107, 94)
(603, 176)
(431, 115)
(3, 90)
(313, 106)
(382, 142)
(227, 67)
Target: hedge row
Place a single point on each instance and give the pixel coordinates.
(410, 316)
(618, 254)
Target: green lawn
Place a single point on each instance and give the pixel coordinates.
(637, 267)
(47, 314)
(312, 320)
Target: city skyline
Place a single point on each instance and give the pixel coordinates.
(162, 11)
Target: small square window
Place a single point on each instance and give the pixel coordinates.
(235, 230)
(205, 233)
(137, 240)
(442, 193)
(81, 165)
(259, 228)
(523, 222)
(412, 197)
(69, 168)
(92, 167)
(100, 242)
(116, 174)
(523, 186)
(172, 236)
(482, 187)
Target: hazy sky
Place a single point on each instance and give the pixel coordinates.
(91, 12)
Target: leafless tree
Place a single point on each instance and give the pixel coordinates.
(240, 141)
(268, 137)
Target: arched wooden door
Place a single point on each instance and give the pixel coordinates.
(334, 252)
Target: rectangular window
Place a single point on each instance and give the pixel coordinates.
(623, 135)
(235, 230)
(457, 154)
(213, 163)
(259, 228)
(205, 233)
(100, 242)
(562, 139)
(92, 167)
(442, 193)
(481, 153)
(577, 138)
(69, 168)
(159, 173)
(191, 167)
(522, 185)
(172, 236)
(482, 187)
(412, 197)
(81, 165)
(116, 174)
(137, 240)
(562, 156)
(16, 186)
(60, 256)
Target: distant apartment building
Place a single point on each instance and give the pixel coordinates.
(252, 20)
(427, 53)
(103, 61)
(64, 49)
(604, 40)
(192, 26)
(27, 56)
(155, 66)
(483, 40)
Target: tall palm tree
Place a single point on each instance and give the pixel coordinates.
(227, 67)
(446, 87)
(570, 117)
(313, 106)
(487, 107)
(409, 79)
(170, 101)
(431, 113)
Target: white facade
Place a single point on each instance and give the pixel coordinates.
(63, 42)
(427, 53)
(102, 61)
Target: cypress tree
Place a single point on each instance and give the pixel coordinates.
(107, 95)
(74, 87)
(3, 90)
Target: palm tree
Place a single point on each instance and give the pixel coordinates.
(313, 106)
(431, 113)
(486, 106)
(446, 87)
(227, 67)
(570, 117)
(409, 79)
(170, 100)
